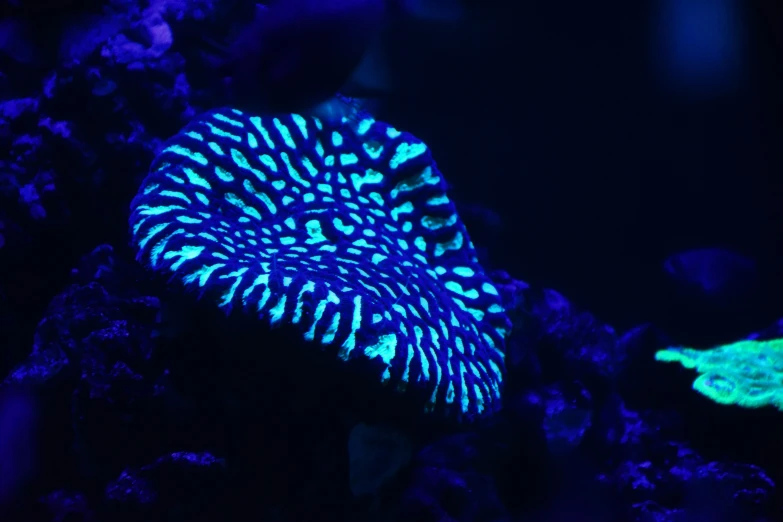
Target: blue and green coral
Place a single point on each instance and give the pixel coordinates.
(746, 373)
(343, 230)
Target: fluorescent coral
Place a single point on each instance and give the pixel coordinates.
(341, 229)
(746, 373)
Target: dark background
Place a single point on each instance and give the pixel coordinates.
(563, 117)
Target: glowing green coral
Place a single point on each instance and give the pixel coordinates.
(746, 373)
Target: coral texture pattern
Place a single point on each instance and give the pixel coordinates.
(341, 229)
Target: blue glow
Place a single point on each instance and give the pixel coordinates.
(387, 278)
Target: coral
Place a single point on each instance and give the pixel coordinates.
(747, 373)
(341, 229)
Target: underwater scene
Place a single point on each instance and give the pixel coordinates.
(391, 261)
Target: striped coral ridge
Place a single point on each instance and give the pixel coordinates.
(344, 231)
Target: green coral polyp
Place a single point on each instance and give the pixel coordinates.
(747, 373)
